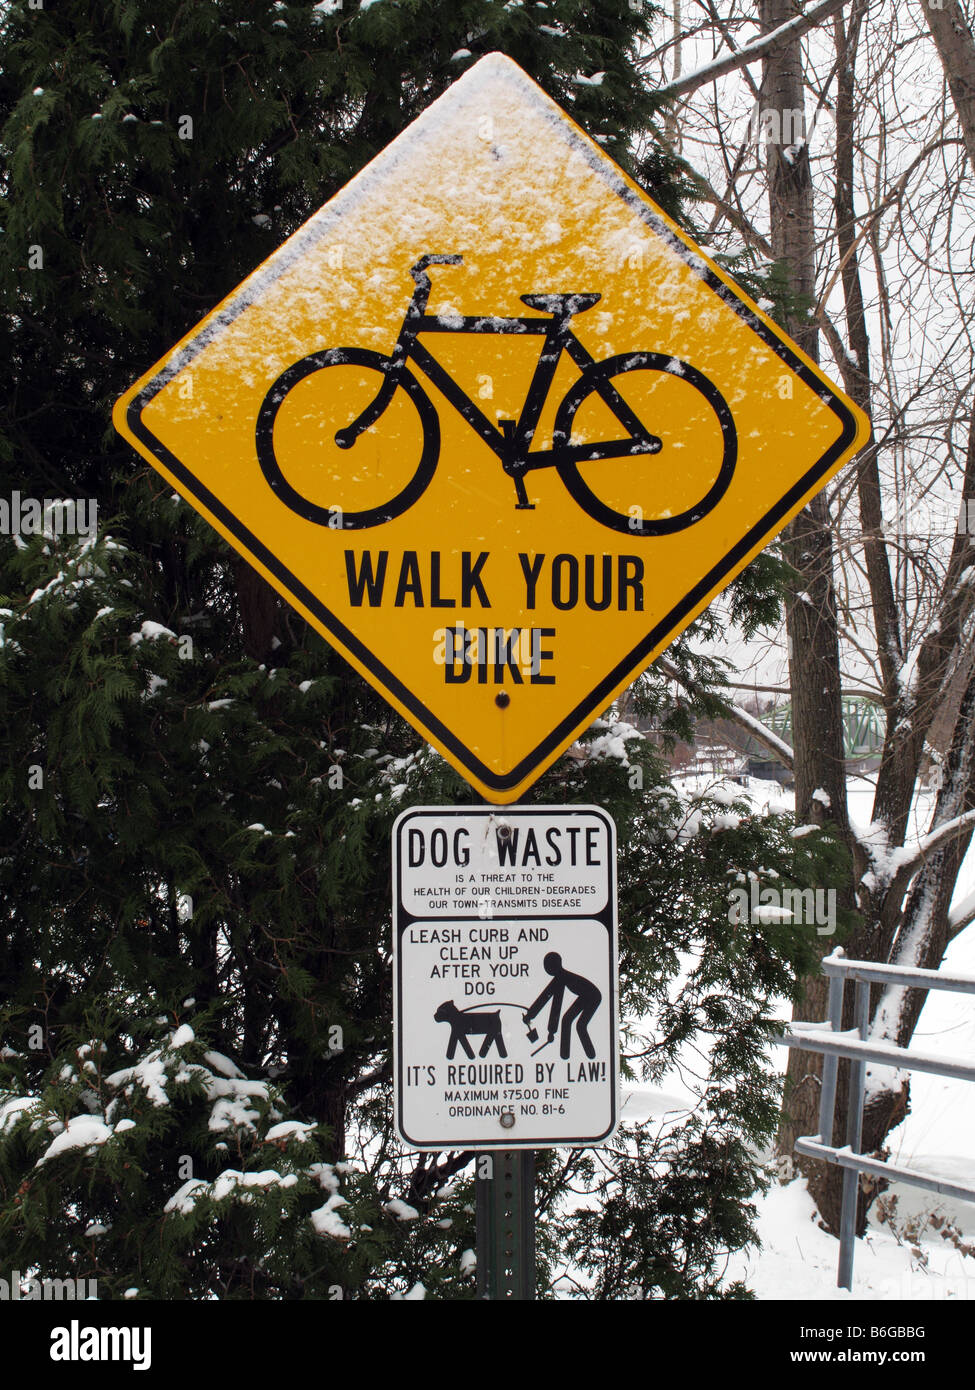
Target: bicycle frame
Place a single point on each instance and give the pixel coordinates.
(511, 440)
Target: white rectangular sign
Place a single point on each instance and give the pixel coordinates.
(504, 947)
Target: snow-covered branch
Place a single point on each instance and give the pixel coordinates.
(759, 731)
(762, 734)
(906, 861)
(961, 916)
(758, 48)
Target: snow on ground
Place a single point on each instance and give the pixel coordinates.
(641, 1103)
(939, 1133)
(910, 1253)
(942, 1118)
(913, 1255)
(798, 1260)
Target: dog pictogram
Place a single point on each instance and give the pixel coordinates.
(464, 1026)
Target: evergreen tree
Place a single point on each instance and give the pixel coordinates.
(197, 793)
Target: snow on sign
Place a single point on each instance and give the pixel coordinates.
(493, 425)
(504, 945)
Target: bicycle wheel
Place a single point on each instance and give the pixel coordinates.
(715, 421)
(334, 513)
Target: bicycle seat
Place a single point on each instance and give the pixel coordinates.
(562, 304)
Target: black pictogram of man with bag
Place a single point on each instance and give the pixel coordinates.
(586, 1000)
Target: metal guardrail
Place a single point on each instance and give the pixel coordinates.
(830, 1039)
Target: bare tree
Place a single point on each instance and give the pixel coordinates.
(874, 230)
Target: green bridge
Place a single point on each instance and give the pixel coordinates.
(863, 726)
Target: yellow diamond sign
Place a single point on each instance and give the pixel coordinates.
(493, 425)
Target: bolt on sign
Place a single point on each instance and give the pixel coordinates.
(494, 426)
(505, 1002)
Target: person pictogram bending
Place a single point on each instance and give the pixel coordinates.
(586, 1001)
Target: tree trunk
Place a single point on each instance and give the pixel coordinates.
(814, 663)
(259, 606)
(956, 48)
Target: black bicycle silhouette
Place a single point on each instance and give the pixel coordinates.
(511, 440)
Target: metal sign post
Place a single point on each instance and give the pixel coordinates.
(506, 1225)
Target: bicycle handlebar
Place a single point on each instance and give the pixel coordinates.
(419, 271)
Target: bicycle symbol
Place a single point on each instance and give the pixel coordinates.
(510, 440)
